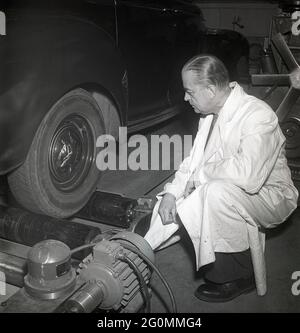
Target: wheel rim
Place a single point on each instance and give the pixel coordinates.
(71, 153)
(291, 130)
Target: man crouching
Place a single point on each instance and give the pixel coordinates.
(233, 185)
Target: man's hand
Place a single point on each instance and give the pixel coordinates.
(189, 188)
(167, 209)
(191, 185)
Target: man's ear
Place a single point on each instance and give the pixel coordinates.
(212, 90)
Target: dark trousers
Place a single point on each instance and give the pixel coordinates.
(229, 267)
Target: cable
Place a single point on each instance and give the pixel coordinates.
(163, 280)
(96, 240)
(145, 258)
(82, 247)
(124, 257)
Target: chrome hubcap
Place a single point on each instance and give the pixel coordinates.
(71, 153)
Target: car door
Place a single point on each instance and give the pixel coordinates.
(146, 37)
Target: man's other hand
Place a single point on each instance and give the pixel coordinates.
(189, 188)
(167, 209)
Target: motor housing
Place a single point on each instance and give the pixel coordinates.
(110, 283)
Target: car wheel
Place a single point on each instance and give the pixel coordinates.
(291, 130)
(59, 174)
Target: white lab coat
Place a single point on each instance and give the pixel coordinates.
(243, 184)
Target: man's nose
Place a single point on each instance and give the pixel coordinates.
(186, 97)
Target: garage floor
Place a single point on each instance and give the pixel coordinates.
(177, 262)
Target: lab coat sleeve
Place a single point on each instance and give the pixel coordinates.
(260, 143)
(177, 186)
(183, 174)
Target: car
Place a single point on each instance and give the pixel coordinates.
(73, 70)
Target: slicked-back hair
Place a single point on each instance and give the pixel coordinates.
(209, 70)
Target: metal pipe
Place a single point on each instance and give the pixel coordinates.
(14, 269)
(27, 228)
(14, 249)
(86, 299)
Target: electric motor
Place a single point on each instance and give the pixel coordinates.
(110, 276)
(114, 277)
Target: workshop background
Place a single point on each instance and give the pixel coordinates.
(257, 21)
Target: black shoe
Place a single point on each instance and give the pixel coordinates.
(213, 292)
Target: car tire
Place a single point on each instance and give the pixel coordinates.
(59, 174)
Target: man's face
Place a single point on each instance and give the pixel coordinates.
(200, 97)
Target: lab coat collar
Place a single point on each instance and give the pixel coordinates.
(223, 126)
(232, 103)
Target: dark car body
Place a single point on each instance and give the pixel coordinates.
(132, 51)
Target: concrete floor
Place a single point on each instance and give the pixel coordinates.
(177, 262)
